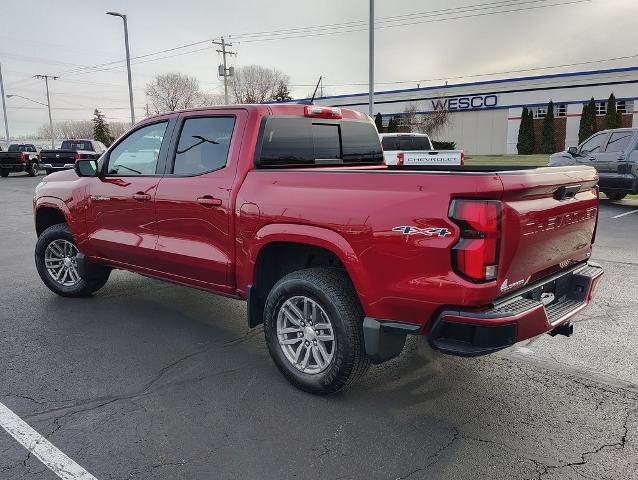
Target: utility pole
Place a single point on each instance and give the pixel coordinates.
(4, 107)
(46, 82)
(223, 70)
(371, 63)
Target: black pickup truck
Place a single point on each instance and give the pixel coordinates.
(20, 157)
(70, 151)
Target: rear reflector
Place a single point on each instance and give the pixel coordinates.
(322, 112)
(475, 256)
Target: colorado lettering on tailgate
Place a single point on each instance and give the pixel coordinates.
(559, 221)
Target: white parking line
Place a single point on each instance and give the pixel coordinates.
(626, 213)
(41, 448)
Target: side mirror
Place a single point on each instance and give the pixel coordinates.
(572, 151)
(86, 168)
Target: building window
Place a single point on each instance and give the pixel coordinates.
(601, 108)
(560, 110)
(625, 106)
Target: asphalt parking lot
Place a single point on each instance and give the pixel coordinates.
(148, 380)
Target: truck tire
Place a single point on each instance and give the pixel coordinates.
(614, 196)
(55, 259)
(4, 172)
(313, 328)
(33, 169)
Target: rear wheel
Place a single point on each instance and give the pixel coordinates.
(33, 169)
(615, 196)
(4, 172)
(313, 328)
(56, 261)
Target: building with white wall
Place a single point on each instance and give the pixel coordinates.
(485, 115)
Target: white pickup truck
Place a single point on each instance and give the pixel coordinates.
(416, 149)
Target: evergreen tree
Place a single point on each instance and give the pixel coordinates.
(548, 134)
(282, 93)
(393, 126)
(591, 124)
(101, 130)
(613, 118)
(526, 141)
(584, 130)
(378, 121)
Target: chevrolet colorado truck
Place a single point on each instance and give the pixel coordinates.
(614, 155)
(291, 208)
(20, 157)
(70, 151)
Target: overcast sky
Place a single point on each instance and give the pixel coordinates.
(61, 37)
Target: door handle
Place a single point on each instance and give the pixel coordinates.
(209, 202)
(141, 197)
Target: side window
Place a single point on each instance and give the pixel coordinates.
(203, 145)
(619, 141)
(593, 144)
(137, 154)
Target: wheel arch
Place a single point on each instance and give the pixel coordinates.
(280, 249)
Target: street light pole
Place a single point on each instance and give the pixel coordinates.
(4, 107)
(128, 62)
(371, 63)
(46, 82)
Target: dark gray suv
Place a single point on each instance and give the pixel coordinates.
(614, 154)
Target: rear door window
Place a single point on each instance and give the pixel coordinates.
(203, 145)
(619, 141)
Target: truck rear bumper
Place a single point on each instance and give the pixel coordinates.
(539, 308)
(542, 307)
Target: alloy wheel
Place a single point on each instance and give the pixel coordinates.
(60, 260)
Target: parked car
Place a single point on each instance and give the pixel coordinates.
(291, 208)
(19, 157)
(614, 154)
(70, 151)
(416, 149)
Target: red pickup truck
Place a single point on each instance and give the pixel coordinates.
(291, 208)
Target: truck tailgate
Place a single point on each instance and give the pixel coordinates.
(549, 217)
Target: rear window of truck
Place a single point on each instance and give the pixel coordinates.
(294, 142)
(77, 145)
(406, 143)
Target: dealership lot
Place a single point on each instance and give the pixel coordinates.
(148, 380)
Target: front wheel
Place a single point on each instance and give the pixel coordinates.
(313, 327)
(615, 196)
(33, 169)
(56, 261)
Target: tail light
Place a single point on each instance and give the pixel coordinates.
(321, 112)
(462, 158)
(23, 157)
(76, 157)
(475, 256)
(597, 192)
(400, 158)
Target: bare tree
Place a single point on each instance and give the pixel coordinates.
(174, 91)
(68, 129)
(430, 122)
(256, 84)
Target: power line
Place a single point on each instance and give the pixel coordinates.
(330, 29)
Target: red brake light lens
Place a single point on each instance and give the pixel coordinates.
(315, 111)
(400, 158)
(475, 256)
(462, 158)
(23, 157)
(76, 157)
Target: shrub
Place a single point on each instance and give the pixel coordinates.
(443, 145)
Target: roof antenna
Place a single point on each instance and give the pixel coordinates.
(312, 100)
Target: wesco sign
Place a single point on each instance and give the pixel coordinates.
(466, 103)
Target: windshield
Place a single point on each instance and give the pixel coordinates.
(406, 143)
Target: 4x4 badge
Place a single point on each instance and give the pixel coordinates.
(427, 231)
